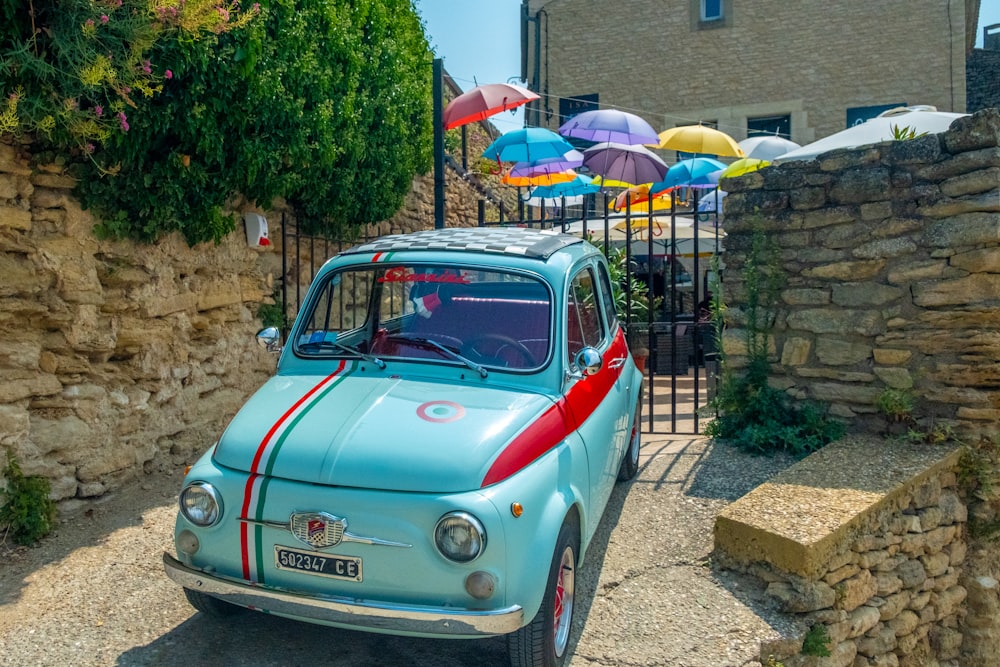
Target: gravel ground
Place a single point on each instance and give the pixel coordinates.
(94, 593)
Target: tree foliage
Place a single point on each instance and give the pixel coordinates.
(324, 103)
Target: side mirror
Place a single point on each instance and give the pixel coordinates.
(269, 339)
(588, 360)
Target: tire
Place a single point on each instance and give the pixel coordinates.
(544, 642)
(210, 606)
(630, 462)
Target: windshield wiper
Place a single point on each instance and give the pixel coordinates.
(428, 342)
(350, 350)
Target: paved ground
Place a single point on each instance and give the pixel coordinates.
(95, 594)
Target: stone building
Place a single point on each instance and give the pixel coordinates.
(804, 69)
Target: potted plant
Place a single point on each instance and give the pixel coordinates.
(628, 288)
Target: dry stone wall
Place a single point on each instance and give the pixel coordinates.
(117, 357)
(892, 258)
(892, 254)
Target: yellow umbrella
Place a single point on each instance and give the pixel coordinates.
(611, 183)
(699, 139)
(744, 165)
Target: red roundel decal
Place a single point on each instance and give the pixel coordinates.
(440, 412)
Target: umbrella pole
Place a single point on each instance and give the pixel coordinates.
(695, 281)
(438, 92)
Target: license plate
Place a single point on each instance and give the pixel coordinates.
(321, 565)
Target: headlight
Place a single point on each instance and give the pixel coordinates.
(460, 537)
(201, 504)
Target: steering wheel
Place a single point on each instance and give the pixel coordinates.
(473, 348)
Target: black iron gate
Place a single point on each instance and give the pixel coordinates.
(681, 363)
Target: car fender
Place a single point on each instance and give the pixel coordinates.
(547, 491)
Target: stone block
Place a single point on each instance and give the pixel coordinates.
(977, 288)
(878, 641)
(837, 352)
(802, 596)
(799, 519)
(891, 356)
(904, 624)
(862, 620)
(12, 217)
(893, 605)
(888, 584)
(857, 590)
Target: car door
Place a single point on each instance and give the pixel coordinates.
(597, 402)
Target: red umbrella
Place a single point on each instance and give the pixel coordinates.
(485, 101)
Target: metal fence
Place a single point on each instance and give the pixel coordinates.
(682, 365)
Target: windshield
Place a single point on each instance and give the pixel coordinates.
(429, 312)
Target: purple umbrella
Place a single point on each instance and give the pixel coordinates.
(634, 165)
(570, 160)
(610, 125)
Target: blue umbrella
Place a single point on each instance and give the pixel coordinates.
(580, 185)
(528, 144)
(610, 125)
(694, 172)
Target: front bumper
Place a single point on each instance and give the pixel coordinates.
(349, 612)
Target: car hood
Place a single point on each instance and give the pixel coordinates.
(379, 432)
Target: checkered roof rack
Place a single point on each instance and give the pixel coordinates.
(539, 244)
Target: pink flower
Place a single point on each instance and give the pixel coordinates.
(168, 74)
(89, 23)
(146, 68)
(89, 148)
(104, 18)
(123, 120)
(98, 110)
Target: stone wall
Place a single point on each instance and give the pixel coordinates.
(892, 258)
(119, 357)
(892, 254)
(872, 554)
(983, 79)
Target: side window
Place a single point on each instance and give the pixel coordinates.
(583, 314)
(607, 297)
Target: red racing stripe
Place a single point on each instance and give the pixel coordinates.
(560, 420)
(261, 448)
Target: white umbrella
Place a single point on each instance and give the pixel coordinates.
(711, 202)
(921, 119)
(767, 147)
(682, 235)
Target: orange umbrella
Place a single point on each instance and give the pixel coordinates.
(537, 177)
(637, 200)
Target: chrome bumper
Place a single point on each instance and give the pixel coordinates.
(349, 612)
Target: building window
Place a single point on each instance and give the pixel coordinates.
(711, 10)
(780, 126)
(711, 14)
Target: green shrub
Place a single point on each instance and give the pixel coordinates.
(326, 104)
(27, 514)
(750, 413)
(817, 642)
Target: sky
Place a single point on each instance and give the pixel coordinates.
(480, 42)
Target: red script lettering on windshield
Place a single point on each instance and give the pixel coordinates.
(401, 274)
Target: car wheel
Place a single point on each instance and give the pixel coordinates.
(544, 641)
(630, 462)
(211, 606)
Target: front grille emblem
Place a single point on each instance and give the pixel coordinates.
(317, 529)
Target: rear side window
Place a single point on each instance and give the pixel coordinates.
(583, 314)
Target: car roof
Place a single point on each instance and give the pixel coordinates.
(517, 241)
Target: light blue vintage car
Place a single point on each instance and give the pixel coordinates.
(446, 424)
